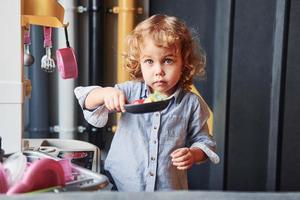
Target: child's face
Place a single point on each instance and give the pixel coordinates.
(161, 67)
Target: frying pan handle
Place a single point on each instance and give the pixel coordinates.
(67, 37)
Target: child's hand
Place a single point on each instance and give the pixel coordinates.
(182, 158)
(114, 99)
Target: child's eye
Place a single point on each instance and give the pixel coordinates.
(169, 61)
(148, 61)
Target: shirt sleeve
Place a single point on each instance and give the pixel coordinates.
(97, 117)
(198, 131)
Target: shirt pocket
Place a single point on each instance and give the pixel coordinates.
(175, 130)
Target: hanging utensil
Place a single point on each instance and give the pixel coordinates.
(28, 58)
(47, 63)
(66, 60)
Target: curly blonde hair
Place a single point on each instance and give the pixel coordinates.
(167, 32)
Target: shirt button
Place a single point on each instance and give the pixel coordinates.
(155, 127)
(154, 141)
(151, 174)
(152, 158)
(157, 114)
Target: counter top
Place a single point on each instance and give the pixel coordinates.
(186, 195)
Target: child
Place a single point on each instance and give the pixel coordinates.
(152, 151)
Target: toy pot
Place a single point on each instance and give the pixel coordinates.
(66, 60)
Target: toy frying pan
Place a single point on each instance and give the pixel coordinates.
(147, 107)
(66, 60)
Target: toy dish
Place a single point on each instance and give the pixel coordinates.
(147, 107)
(41, 174)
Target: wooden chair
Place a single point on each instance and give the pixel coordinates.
(211, 116)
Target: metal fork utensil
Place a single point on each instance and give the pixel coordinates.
(47, 62)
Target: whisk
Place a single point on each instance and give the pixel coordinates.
(47, 62)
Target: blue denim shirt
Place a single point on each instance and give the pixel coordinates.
(139, 156)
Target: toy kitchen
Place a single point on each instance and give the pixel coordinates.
(31, 165)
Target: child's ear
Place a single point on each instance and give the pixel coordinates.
(183, 69)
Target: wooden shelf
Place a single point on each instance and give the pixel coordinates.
(42, 12)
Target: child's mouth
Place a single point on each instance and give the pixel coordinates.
(159, 83)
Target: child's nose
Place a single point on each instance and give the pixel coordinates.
(159, 70)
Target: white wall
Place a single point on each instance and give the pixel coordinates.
(11, 76)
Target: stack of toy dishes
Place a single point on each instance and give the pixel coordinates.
(19, 176)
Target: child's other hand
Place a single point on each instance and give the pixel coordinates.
(182, 158)
(114, 99)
